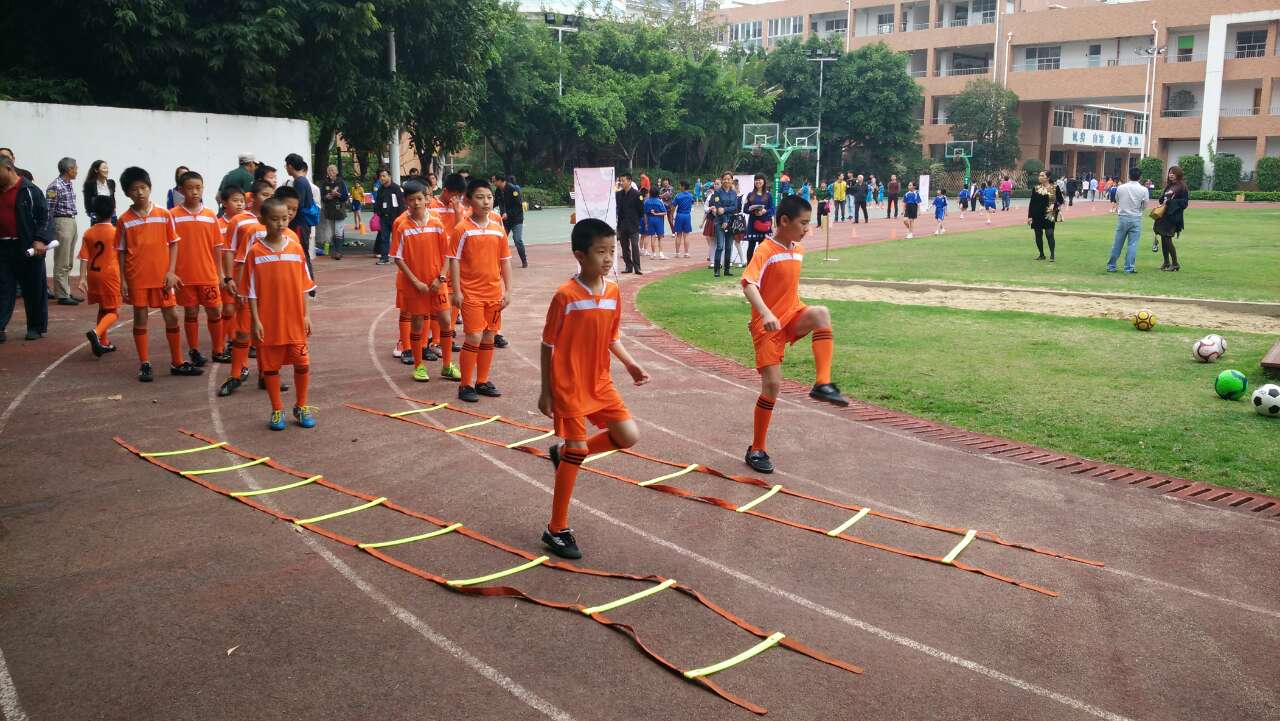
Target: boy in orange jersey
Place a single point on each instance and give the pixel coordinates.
(480, 272)
(771, 282)
(198, 266)
(100, 279)
(277, 284)
(147, 241)
(449, 207)
(418, 247)
(582, 329)
(241, 232)
(232, 199)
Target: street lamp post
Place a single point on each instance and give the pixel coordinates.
(821, 57)
(569, 24)
(393, 149)
(1148, 90)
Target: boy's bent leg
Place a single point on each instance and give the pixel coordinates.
(816, 319)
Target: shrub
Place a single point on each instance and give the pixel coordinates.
(1192, 171)
(1153, 168)
(1249, 196)
(542, 197)
(1268, 174)
(1226, 172)
(1032, 166)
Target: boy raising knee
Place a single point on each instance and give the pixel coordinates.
(582, 329)
(771, 283)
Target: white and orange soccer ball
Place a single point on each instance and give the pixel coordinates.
(1144, 319)
(1209, 348)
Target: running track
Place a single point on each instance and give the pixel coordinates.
(124, 587)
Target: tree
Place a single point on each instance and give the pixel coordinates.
(987, 114)
(1192, 171)
(1152, 169)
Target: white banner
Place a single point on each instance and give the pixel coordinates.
(923, 186)
(593, 195)
(1100, 138)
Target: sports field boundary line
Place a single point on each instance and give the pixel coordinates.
(650, 335)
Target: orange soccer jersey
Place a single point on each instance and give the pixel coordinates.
(479, 250)
(279, 281)
(580, 326)
(422, 248)
(145, 240)
(102, 266)
(441, 208)
(201, 243)
(240, 235)
(775, 270)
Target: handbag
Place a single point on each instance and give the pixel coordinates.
(761, 225)
(1157, 212)
(375, 223)
(738, 225)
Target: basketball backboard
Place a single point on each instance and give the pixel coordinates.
(760, 135)
(803, 138)
(958, 149)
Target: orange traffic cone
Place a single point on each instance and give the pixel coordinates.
(893, 234)
(854, 234)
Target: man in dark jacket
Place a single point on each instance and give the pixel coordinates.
(512, 210)
(389, 205)
(859, 192)
(24, 226)
(630, 211)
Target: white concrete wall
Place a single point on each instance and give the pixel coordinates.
(1238, 94)
(158, 141)
(1178, 148)
(1246, 149)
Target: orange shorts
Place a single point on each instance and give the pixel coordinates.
(150, 298)
(415, 302)
(274, 357)
(575, 429)
(106, 295)
(205, 295)
(772, 347)
(228, 298)
(478, 317)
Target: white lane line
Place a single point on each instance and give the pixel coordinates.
(901, 640)
(1200, 594)
(10, 709)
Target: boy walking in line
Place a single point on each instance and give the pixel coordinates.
(241, 232)
(771, 283)
(198, 266)
(582, 329)
(147, 241)
(418, 248)
(480, 274)
(278, 284)
(100, 280)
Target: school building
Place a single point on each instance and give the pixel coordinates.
(1100, 81)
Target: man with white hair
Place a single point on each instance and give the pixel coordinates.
(61, 195)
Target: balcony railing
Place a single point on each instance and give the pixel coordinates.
(1239, 111)
(918, 73)
(914, 27)
(1235, 111)
(1075, 64)
(940, 119)
(1247, 50)
(1192, 57)
(964, 71)
(1183, 113)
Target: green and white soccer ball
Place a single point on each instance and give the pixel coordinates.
(1231, 384)
(1266, 400)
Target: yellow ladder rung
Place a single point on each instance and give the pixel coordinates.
(628, 599)
(845, 526)
(335, 514)
(464, 426)
(184, 451)
(499, 574)
(285, 487)
(669, 476)
(968, 538)
(763, 497)
(401, 414)
(598, 456)
(727, 663)
(411, 539)
(236, 467)
(527, 441)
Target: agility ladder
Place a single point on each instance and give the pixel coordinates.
(473, 586)
(966, 536)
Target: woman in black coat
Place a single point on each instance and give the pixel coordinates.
(1174, 200)
(97, 183)
(1042, 212)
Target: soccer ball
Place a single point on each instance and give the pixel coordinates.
(1231, 385)
(1144, 319)
(1266, 400)
(1209, 348)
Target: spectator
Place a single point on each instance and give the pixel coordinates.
(726, 206)
(334, 201)
(759, 208)
(308, 211)
(8, 153)
(1006, 192)
(265, 172)
(1043, 211)
(389, 204)
(1131, 199)
(174, 197)
(98, 184)
(1174, 200)
(859, 191)
(1093, 189)
(892, 189)
(630, 213)
(61, 195)
(1073, 187)
(24, 225)
(242, 176)
(513, 213)
(839, 190)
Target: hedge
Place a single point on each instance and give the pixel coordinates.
(1268, 174)
(1152, 167)
(1251, 196)
(1192, 171)
(1226, 172)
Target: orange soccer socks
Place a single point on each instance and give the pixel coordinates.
(140, 342)
(468, 363)
(406, 324)
(763, 414)
(415, 344)
(824, 346)
(444, 339)
(106, 318)
(191, 324)
(213, 320)
(239, 357)
(301, 382)
(483, 362)
(174, 337)
(272, 379)
(566, 475)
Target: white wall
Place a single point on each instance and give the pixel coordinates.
(156, 140)
(1177, 148)
(1238, 94)
(1246, 149)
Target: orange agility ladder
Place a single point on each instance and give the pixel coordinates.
(659, 483)
(478, 585)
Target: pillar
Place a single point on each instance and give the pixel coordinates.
(1046, 131)
(930, 58)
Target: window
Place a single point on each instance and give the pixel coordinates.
(985, 10)
(961, 17)
(1116, 122)
(1092, 119)
(884, 23)
(747, 33)
(1251, 43)
(1064, 116)
(1094, 56)
(836, 25)
(791, 25)
(1139, 124)
(1047, 57)
(1186, 48)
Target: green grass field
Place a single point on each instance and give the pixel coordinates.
(1092, 387)
(1225, 254)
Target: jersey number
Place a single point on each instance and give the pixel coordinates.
(93, 262)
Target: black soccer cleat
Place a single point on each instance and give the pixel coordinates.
(145, 373)
(406, 358)
(759, 461)
(500, 342)
(95, 344)
(468, 394)
(197, 358)
(563, 544)
(554, 454)
(262, 383)
(457, 348)
(108, 348)
(228, 387)
(488, 389)
(828, 393)
(185, 369)
(221, 357)
(429, 354)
